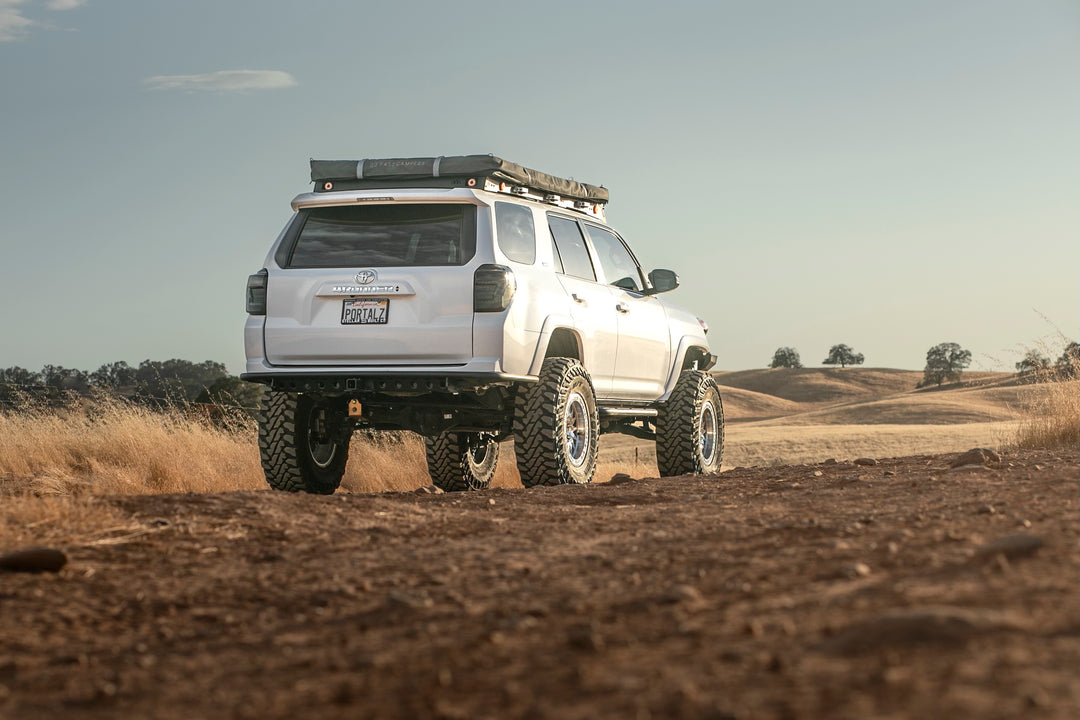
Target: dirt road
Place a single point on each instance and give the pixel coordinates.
(903, 589)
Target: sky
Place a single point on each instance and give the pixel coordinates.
(888, 175)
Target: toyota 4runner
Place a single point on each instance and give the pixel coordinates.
(470, 300)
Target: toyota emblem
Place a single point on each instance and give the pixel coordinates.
(366, 277)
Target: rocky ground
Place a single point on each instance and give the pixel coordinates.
(906, 588)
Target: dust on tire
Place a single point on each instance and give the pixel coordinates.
(556, 426)
(690, 427)
(292, 460)
(461, 461)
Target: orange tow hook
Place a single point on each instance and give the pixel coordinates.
(354, 408)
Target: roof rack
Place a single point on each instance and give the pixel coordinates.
(479, 172)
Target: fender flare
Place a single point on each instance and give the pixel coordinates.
(685, 345)
(551, 324)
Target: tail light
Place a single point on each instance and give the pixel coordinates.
(493, 288)
(256, 293)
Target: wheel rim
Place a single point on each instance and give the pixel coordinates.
(707, 433)
(478, 449)
(321, 452)
(577, 430)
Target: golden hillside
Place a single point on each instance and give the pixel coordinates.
(868, 396)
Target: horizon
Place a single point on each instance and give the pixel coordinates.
(715, 369)
(890, 177)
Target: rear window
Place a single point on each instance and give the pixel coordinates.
(381, 236)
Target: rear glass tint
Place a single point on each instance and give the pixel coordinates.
(517, 237)
(383, 236)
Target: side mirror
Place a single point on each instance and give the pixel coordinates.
(663, 281)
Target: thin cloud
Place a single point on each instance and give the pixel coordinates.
(16, 26)
(223, 81)
(13, 26)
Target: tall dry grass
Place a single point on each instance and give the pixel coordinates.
(109, 446)
(1053, 420)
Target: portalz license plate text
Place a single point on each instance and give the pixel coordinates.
(366, 311)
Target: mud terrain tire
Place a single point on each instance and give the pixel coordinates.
(461, 461)
(556, 426)
(690, 427)
(293, 457)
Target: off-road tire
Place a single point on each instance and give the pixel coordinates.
(289, 461)
(690, 427)
(556, 426)
(461, 461)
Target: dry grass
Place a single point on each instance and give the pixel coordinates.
(953, 407)
(820, 386)
(112, 447)
(1053, 421)
(740, 404)
(60, 521)
(755, 444)
(394, 462)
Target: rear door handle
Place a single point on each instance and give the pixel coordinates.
(578, 299)
(623, 308)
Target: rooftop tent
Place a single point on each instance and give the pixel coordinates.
(448, 171)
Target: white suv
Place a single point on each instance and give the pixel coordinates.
(470, 300)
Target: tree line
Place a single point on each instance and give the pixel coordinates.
(153, 382)
(945, 362)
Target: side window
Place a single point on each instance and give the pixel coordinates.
(571, 247)
(514, 227)
(557, 261)
(619, 265)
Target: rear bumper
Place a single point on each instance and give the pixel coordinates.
(350, 381)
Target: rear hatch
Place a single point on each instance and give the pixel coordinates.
(373, 284)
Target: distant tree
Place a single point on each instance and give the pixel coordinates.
(16, 375)
(62, 378)
(113, 375)
(176, 380)
(945, 362)
(17, 382)
(1033, 364)
(1068, 365)
(231, 391)
(843, 356)
(786, 357)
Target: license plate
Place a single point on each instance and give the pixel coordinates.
(365, 311)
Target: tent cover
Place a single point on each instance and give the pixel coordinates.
(447, 171)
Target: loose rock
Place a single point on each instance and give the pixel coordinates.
(429, 490)
(687, 594)
(585, 637)
(1011, 546)
(855, 570)
(976, 456)
(869, 462)
(33, 560)
(930, 625)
